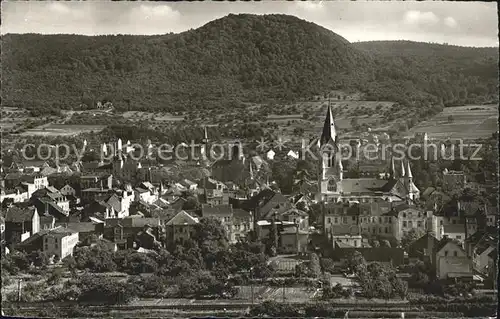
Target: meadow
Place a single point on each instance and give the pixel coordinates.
(62, 130)
(472, 121)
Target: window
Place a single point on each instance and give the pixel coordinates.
(455, 253)
(459, 237)
(329, 220)
(419, 224)
(441, 222)
(446, 253)
(387, 230)
(404, 215)
(353, 217)
(344, 219)
(404, 223)
(336, 220)
(355, 243)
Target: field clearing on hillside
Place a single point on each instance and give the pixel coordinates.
(473, 121)
(161, 117)
(62, 130)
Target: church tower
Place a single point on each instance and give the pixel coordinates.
(331, 167)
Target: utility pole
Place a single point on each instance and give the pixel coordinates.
(283, 291)
(19, 290)
(251, 283)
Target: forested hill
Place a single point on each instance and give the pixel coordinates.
(235, 58)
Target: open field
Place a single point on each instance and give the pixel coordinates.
(62, 130)
(160, 117)
(473, 121)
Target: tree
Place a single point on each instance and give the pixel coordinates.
(39, 258)
(55, 277)
(355, 262)
(409, 237)
(314, 265)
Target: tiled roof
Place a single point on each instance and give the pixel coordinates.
(182, 218)
(240, 214)
(62, 230)
(352, 230)
(141, 190)
(83, 227)
(209, 210)
(366, 185)
(454, 228)
(138, 222)
(17, 214)
(445, 241)
(294, 211)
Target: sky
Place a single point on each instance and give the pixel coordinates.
(459, 23)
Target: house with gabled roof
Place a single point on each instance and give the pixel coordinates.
(347, 235)
(21, 222)
(451, 260)
(180, 228)
(266, 203)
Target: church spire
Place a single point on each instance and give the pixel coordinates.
(403, 174)
(251, 171)
(329, 133)
(408, 170)
(393, 169)
(205, 135)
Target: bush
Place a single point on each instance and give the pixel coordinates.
(275, 309)
(323, 310)
(105, 289)
(55, 277)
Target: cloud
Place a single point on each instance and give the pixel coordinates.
(420, 18)
(310, 6)
(59, 8)
(157, 12)
(450, 22)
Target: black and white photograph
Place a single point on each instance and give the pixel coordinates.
(246, 159)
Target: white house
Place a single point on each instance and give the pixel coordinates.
(270, 154)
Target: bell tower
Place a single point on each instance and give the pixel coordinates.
(331, 166)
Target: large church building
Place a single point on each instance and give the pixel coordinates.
(334, 188)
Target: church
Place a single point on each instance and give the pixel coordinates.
(334, 188)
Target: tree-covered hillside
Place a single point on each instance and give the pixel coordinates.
(235, 58)
(455, 74)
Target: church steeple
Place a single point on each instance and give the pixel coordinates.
(408, 171)
(329, 134)
(393, 169)
(403, 174)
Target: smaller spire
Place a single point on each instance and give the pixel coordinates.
(251, 171)
(408, 171)
(393, 168)
(205, 135)
(403, 174)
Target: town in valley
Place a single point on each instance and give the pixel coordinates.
(177, 182)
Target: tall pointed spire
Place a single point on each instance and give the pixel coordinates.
(329, 133)
(403, 174)
(408, 170)
(393, 168)
(251, 170)
(205, 135)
